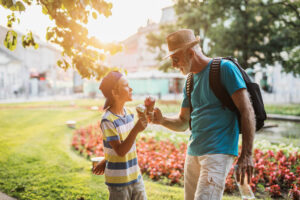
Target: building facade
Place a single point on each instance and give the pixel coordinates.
(29, 72)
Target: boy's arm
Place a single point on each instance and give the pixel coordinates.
(100, 167)
(180, 123)
(122, 148)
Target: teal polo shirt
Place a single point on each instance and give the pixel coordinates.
(215, 130)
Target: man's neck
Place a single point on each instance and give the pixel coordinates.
(118, 109)
(199, 63)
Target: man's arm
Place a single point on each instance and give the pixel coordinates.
(179, 123)
(245, 163)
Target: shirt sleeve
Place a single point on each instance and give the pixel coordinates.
(109, 131)
(185, 102)
(231, 77)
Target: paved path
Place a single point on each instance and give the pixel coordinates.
(5, 197)
(284, 117)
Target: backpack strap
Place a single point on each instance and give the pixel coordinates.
(189, 89)
(217, 87)
(244, 74)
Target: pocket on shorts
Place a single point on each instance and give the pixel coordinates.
(214, 180)
(216, 187)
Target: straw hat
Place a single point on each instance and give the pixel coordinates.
(180, 40)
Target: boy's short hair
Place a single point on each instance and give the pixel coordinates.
(107, 84)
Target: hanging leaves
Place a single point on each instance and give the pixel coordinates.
(28, 40)
(10, 40)
(79, 50)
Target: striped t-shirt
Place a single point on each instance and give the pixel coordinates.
(119, 171)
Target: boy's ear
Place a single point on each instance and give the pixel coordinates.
(114, 92)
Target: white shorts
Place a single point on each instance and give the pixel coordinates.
(205, 176)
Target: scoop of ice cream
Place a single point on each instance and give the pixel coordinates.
(149, 103)
(141, 108)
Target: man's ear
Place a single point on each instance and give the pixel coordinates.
(191, 53)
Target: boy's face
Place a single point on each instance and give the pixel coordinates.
(123, 92)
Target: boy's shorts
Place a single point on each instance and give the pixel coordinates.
(135, 191)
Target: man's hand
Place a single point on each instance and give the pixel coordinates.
(245, 167)
(157, 116)
(100, 167)
(142, 122)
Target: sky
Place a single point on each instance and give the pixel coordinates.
(127, 17)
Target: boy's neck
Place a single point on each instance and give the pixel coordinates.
(117, 108)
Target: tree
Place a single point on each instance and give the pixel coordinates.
(79, 51)
(157, 42)
(256, 31)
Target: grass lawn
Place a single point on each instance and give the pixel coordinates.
(36, 159)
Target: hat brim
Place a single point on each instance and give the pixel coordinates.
(188, 45)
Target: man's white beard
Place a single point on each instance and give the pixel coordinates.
(186, 69)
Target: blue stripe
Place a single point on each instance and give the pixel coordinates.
(124, 184)
(121, 165)
(105, 120)
(106, 144)
(112, 138)
(124, 120)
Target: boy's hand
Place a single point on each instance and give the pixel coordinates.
(142, 122)
(157, 117)
(100, 167)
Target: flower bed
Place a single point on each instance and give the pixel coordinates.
(276, 172)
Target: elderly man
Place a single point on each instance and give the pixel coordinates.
(213, 143)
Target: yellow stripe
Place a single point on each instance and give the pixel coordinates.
(110, 132)
(124, 135)
(122, 179)
(127, 157)
(129, 111)
(112, 117)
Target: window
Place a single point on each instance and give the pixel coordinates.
(1, 79)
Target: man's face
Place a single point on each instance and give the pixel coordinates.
(181, 61)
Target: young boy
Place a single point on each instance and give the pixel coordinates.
(122, 173)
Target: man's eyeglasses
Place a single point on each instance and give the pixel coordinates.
(175, 59)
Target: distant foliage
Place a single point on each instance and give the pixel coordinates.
(256, 31)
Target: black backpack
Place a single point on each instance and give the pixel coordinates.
(222, 94)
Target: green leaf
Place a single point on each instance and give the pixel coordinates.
(110, 5)
(20, 6)
(10, 40)
(49, 35)
(44, 10)
(59, 63)
(68, 4)
(28, 2)
(8, 3)
(9, 24)
(95, 16)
